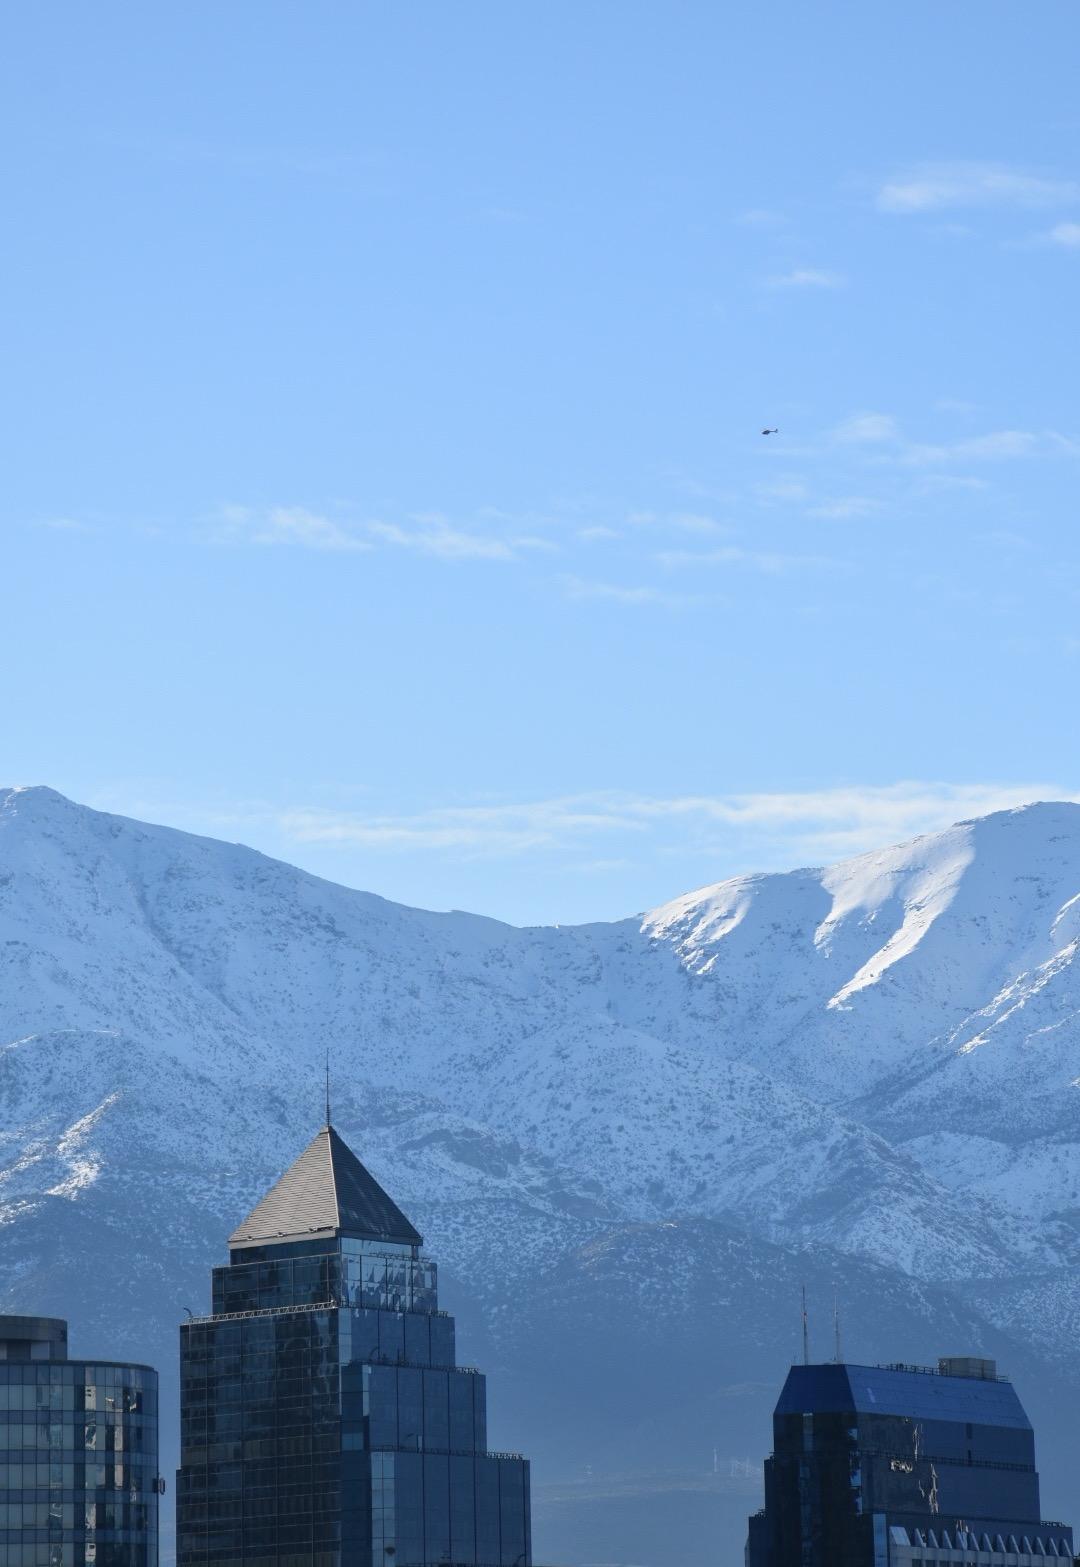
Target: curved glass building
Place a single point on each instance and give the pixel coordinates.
(325, 1421)
(78, 1454)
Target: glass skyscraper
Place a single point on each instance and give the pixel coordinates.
(325, 1421)
(78, 1454)
(902, 1466)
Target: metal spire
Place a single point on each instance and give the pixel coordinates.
(328, 1087)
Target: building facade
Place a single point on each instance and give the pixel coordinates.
(889, 1466)
(79, 1479)
(325, 1421)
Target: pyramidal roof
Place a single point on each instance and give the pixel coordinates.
(327, 1192)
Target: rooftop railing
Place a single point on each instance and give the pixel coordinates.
(315, 1305)
(938, 1371)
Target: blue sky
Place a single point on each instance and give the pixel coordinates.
(382, 388)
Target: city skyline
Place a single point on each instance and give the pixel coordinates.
(541, 606)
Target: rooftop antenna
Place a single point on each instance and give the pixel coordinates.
(805, 1331)
(328, 1087)
(836, 1324)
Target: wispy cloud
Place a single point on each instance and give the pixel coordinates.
(866, 429)
(696, 522)
(882, 431)
(260, 161)
(760, 218)
(830, 821)
(952, 481)
(1067, 234)
(679, 521)
(907, 808)
(291, 525)
(845, 506)
(937, 187)
(421, 533)
(632, 594)
(493, 829)
(64, 525)
(782, 490)
(771, 562)
(995, 446)
(1005, 539)
(438, 538)
(806, 277)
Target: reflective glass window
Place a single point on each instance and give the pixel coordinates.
(462, 1509)
(417, 1339)
(410, 1396)
(391, 1336)
(462, 1428)
(436, 1410)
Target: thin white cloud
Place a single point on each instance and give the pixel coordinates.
(260, 161)
(1005, 539)
(760, 218)
(882, 430)
(1067, 234)
(952, 481)
(291, 525)
(64, 525)
(995, 446)
(845, 506)
(842, 820)
(866, 429)
(498, 829)
(434, 537)
(782, 490)
(532, 541)
(696, 522)
(425, 533)
(680, 521)
(597, 534)
(770, 562)
(806, 277)
(937, 187)
(630, 594)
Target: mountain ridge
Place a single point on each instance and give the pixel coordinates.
(870, 1066)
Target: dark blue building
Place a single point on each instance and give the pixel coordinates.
(78, 1454)
(891, 1466)
(325, 1421)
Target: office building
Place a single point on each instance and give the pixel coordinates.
(79, 1479)
(893, 1466)
(325, 1421)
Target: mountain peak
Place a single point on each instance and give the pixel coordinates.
(29, 796)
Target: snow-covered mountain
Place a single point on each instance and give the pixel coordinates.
(617, 1135)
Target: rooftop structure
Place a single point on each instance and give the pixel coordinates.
(325, 1421)
(327, 1192)
(887, 1466)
